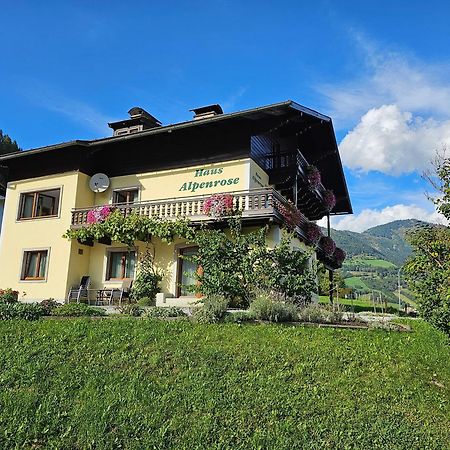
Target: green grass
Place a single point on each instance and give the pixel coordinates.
(356, 283)
(373, 262)
(138, 384)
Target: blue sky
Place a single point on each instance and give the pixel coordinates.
(380, 70)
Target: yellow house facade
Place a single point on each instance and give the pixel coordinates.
(156, 171)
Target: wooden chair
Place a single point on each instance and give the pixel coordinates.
(80, 292)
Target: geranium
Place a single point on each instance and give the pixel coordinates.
(327, 245)
(339, 255)
(312, 232)
(313, 176)
(292, 216)
(218, 205)
(99, 214)
(329, 200)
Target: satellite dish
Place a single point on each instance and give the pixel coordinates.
(99, 182)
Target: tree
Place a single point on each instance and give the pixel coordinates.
(7, 145)
(428, 269)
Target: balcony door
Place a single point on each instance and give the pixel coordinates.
(186, 279)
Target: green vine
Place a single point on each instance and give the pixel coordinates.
(135, 227)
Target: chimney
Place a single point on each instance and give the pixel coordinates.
(139, 120)
(205, 112)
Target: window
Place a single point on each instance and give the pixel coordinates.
(121, 264)
(130, 195)
(34, 266)
(39, 204)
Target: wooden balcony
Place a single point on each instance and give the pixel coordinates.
(253, 204)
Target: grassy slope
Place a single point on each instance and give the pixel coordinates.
(373, 262)
(356, 282)
(141, 384)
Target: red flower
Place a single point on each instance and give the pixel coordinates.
(327, 245)
(218, 205)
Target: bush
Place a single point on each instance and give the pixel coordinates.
(8, 296)
(146, 301)
(77, 310)
(25, 311)
(213, 310)
(147, 279)
(264, 308)
(313, 313)
(238, 317)
(164, 313)
(132, 310)
(49, 305)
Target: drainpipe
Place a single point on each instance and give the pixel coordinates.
(330, 272)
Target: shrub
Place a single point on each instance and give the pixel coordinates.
(49, 305)
(264, 308)
(132, 310)
(147, 279)
(313, 313)
(77, 310)
(8, 296)
(164, 313)
(238, 317)
(25, 311)
(213, 310)
(146, 301)
(333, 313)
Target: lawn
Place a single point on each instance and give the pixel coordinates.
(373, 262)
(141, 384)
(356, 283)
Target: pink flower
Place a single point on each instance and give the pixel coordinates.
(218, 205)
(327, 245)
(339, 255)
(329, 200)
(99, 214)
(313, 176)
(312, 232)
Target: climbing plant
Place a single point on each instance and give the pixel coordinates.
(132, 228)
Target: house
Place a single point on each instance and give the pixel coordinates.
(2, 206)
(262, 156)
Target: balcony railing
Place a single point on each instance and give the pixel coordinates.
(255, 203)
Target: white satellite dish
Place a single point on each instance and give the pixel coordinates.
(99, 182)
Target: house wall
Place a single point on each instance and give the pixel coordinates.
(2, 205)
(42, 233)
(68, 260)
(186, 182)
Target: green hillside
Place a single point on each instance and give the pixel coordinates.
(383, 242)
(374, 258)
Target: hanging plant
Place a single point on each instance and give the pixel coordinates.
(327, 245)
(312, 232)
(291, 215)
(339, 255)
(329, 200)
(218, 205)
(313, 176)
(99, 214)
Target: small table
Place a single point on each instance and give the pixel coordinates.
(103, 296)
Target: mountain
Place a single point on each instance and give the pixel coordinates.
(374, 258)
(383, 241)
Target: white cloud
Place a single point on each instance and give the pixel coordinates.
(393, 141)
(401, 108)
(369, 218)
(389, 78)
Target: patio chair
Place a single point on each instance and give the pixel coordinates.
(80, 292)
(123, 292)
